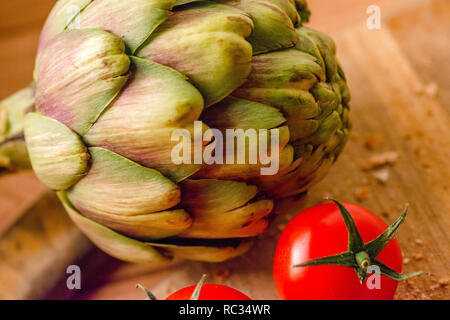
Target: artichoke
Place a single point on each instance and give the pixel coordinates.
(115, 79)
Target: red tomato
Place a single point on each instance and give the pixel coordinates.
(320, 231)
(209, 292)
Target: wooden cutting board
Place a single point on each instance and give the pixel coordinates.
(400, 87)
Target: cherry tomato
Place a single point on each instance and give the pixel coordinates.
(318, 232)
(209, 292)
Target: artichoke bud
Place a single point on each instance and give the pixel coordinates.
(136, 101)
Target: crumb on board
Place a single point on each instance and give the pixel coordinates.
(419, 242)
(406, 260)
(418, 256)
(434, 287)
(426, 165)
(326, 197)
(431, 89)
(386, 213)
(365, 181)
(370, 143)
(222, 274)
(418, 151)
(407, 136)
(362, 193)
(381, 159)
(419, 133)
(354, 136)
(381, 175)
(444, 282)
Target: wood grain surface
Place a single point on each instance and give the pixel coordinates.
(400, 108)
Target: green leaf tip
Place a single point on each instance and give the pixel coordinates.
(147, 292)
(345, 259)
(198, 288)
(355, 242)
(375, 246)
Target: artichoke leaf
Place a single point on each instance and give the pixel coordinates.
(157, 101)
(79, 73)
(209, 195)
(285, 69)
(117, 185)
(235, 113)
(156, 225)
(303, 10)
(156, 96)
(246, 221)
(132, 250)
(111, 242)
(206, 42)
(283, 80)
(12, 113)
(273, 28)
(131, 20)
(62, 14)
(14, 156)
(321, 46)
(311, 164)
(207, 253)
(293, 103)
(325, 131)
(58, 156)
(289, 7)
(223, 209)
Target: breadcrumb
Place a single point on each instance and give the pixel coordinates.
(382, 175)
(444, 282)
(362, 193)
(222, 274)
(370, 143)
(381, 159)
(418, 256)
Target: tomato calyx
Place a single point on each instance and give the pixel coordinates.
(195, 294)
(360, 256)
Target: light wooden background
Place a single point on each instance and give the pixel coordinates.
(399, 79)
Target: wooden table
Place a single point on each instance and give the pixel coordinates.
(399, 81)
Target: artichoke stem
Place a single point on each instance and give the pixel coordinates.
(13, 153)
